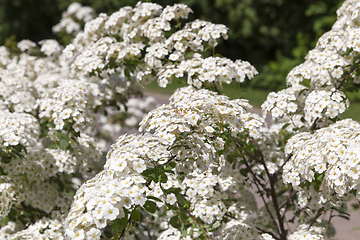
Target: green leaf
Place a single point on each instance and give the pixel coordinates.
(180, 198)
(127, 74)
(59, 183)
(163, 178)
(320, 177)
(64, 143)
(44, 135)
(182, 216)
(170, 166)
(285, 126)
(191, 232)
(119, 224)
(150, 206)
(151, 173)
(135, 216)
(174, 221)
(183, 230)
(53, 146)
(62, 135)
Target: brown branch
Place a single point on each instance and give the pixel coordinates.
(263, 231)
(282, 166)
(273, 194)
(347, 76)
(289, 198)
(286, 204)
(262, 196)
(313, 221)
(123, 232)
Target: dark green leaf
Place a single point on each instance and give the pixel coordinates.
(181, 199)
(170, 166)
(150, 206)
(163, 178)
(135, 216)
(285, 126)
(174, 221)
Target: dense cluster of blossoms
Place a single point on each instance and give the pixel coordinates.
(318, 83)
(307, 232)
(242, 230)
(323, 165)
(6, 198)
(118, 189)
(200, 115)
(18, 128)
(197, 159)
(98, 49)
(331, 153)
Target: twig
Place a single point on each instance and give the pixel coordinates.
(123, 232)
(263, 231)
(314, 124)
(282, 166)
(290, 197)
(273, 194)
(314, 219)
(261, 195)
(346, 77)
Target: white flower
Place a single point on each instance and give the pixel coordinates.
(171, 199)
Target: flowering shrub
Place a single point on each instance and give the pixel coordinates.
(191, 174)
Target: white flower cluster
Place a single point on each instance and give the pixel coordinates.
(33, 93)
(70, 100)
(326, 69)
(206, 202)
(328, 101)
(121, 187)
(30, 177)
(50, 47)
(18, 128)
(285, 102)
(118, 188)
(6, 199)
(4, 56)
(74, 11)
(241, 230)
(45, 228)
(25, 45)
(138, 109)
(329, 155)
(201, 113)
(211, 69)
(304, 232)
(15, 85)
(98, 50)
